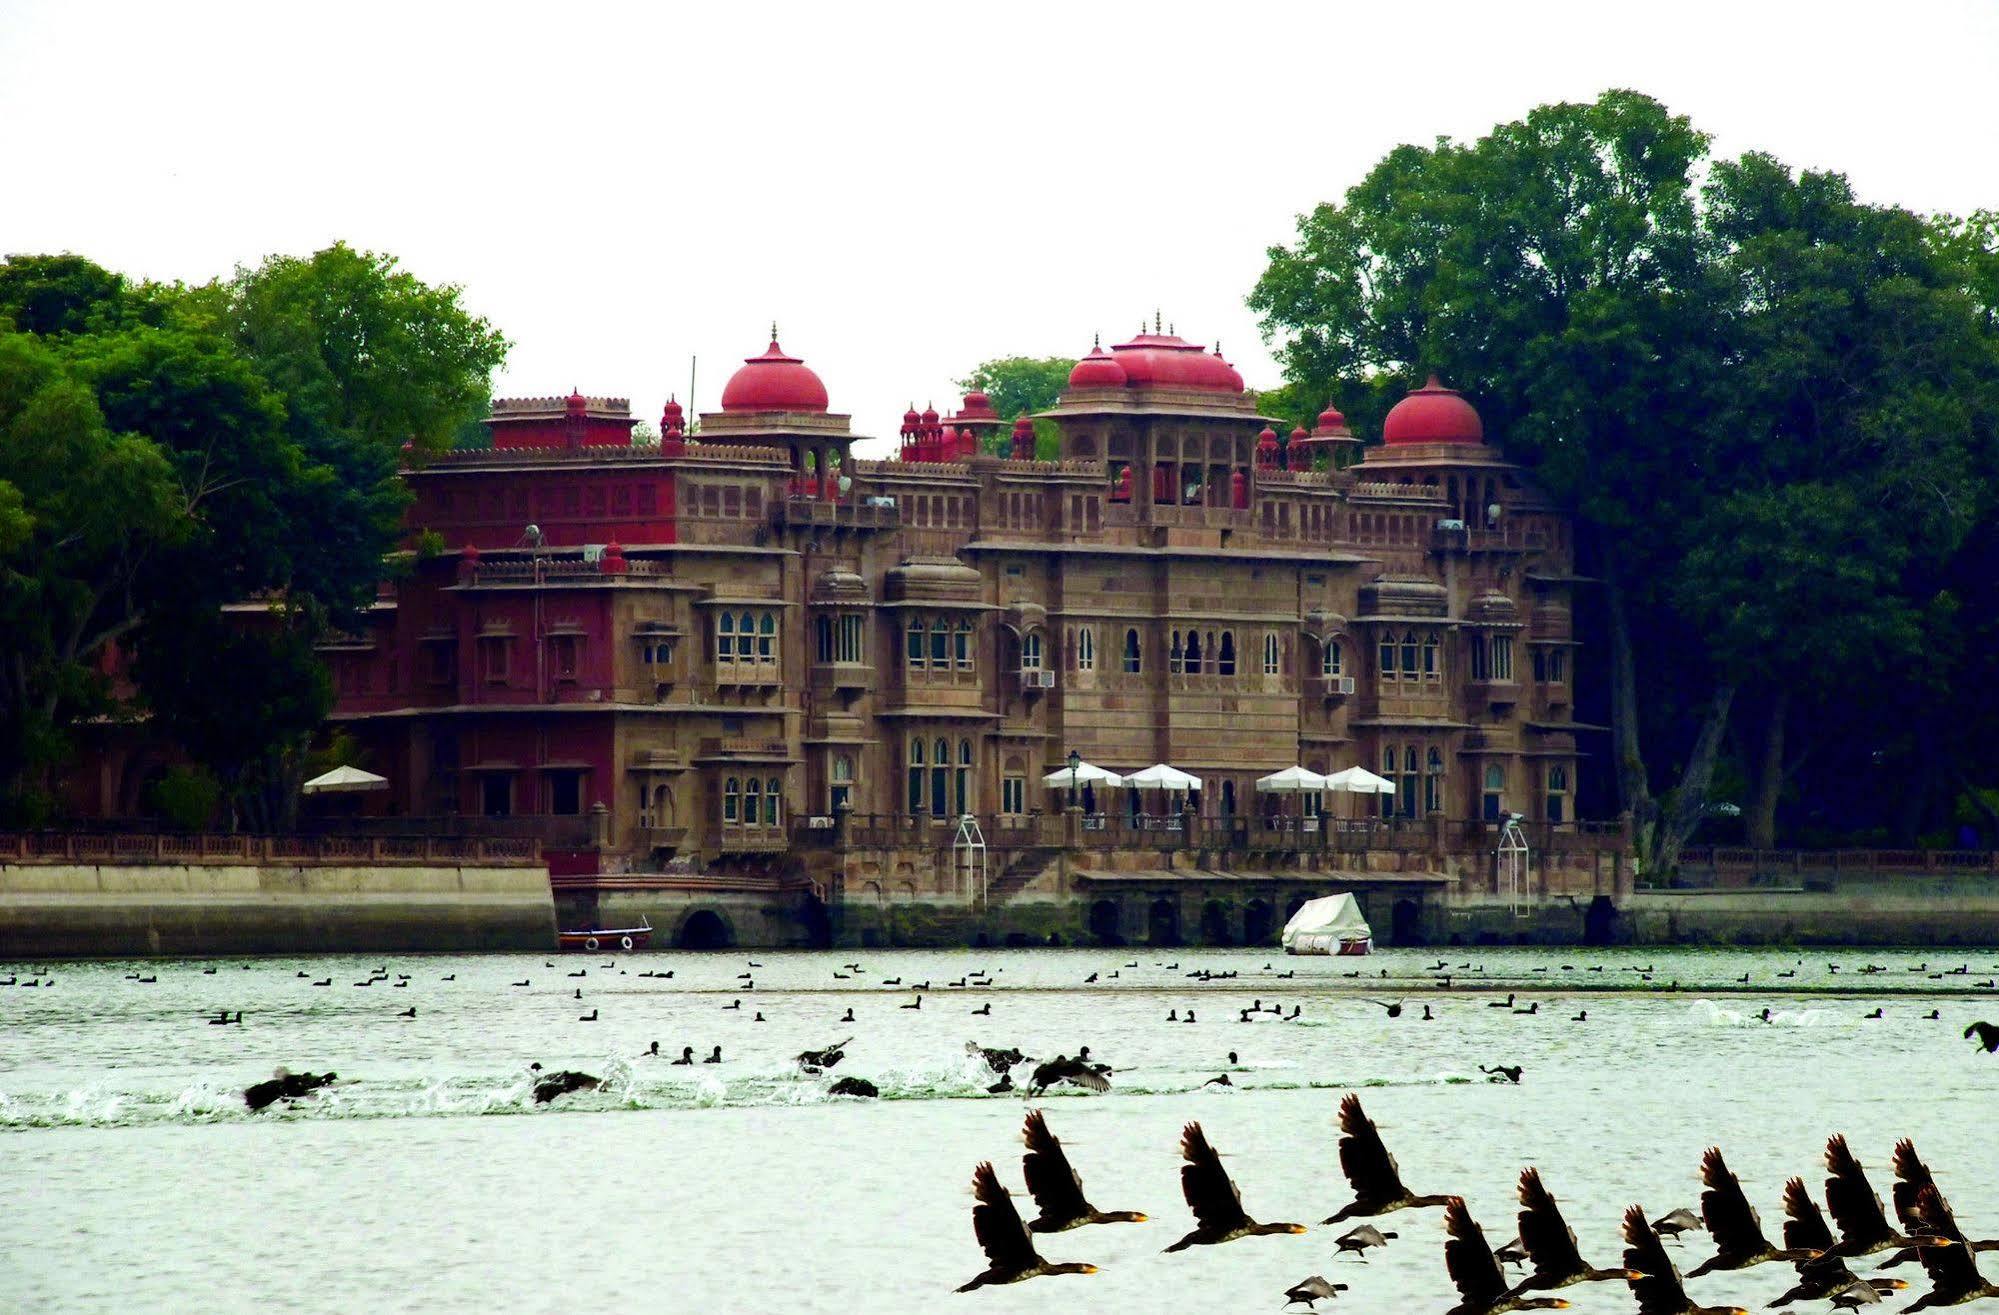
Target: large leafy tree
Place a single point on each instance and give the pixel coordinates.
(1709, 378)
(168, 451)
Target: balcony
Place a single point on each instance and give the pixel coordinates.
(742, 748)
(1330, 687)
(749, 675)
(1497, 693)
(818, 513)
(842, 676)
(735, 838)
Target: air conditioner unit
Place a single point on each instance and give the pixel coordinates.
(819, 823)
(1450, 524)
(877, 500)
(1037, 679)
(593, 553)
(1343, 684)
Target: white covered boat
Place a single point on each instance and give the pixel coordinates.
(1331, 924)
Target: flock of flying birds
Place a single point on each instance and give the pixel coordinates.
(1924, 1230)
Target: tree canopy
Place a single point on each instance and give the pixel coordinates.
(169, 450)
(1770, 405)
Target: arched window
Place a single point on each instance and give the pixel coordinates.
(773, 790)
(1433, 781)
(1193, 652)
(1013, 788)
(1176, 656)
(767, 637)
(746, 637)
(1331, 660)
(753, 793)
(1086, 649)
(915, 653)
(940, 645)
(841, 792)
(916, 776)
(725, 638)
(1558, 793)
(1409, 654)
(1388, 762)
(1411, 781)
(940, 778)
(1133, 663)
(732, 799)
(963, 795)
(1388, 655)
(1270, 654)
(1495, 790)
(1030, 651)
(1225, 659)
(1430, 669)
(962, 645)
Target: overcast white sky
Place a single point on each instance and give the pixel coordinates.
(907, 190)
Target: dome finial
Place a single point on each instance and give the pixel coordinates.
(1172, 330)
(773, 330)
(1155, 319)
(1096, 342)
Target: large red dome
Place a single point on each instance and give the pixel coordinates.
(774, 382)
(1433, 414)
(1165, 360)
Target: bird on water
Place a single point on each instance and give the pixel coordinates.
(1009, 1248)
(1481, 1284)
(1217, 1205)
(1658, 1289)
(1732, 1223)
(1502, 1073)
(1550, 1243)
(812, 1061)
(1056, 1186)
(1371, 1170)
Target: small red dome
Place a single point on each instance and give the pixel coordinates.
(1267, 437)
(1299, 434)
(1433, 414)
(1165, 360)
(576, 404)
(1097, 370)
(774, 382)
(1330, 420)
(470, 552)
(929, 415)
(977, 407)
(672, 411)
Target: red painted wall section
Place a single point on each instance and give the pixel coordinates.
(571, 505)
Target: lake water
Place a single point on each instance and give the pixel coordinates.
(134, 1178)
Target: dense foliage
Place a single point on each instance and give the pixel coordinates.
(166, 452)
(1774, 410)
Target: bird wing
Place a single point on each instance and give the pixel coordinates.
(1911, 1177)
(1057, 1189)
(1660, 1291)
(1804, 1226)
(1850, 1198)
(1365, 1161)
(1468, 1257)
(1731, 1220)
(1952, 1269)
(997, 1224)
(1545, 1236)
(1210, 1194)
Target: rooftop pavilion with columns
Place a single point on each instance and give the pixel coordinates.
(692, 654)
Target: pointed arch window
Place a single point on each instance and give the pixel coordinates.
(1270, 654)
(915, 775)
(962, 796)
(1387, 662)
(961, 645)
(940, 645)
(753, 794)
(1388, 763)
(915, 650)
(1030, 651)
(773, 790)
(1558, 793)
(1086, 649)
(725, 638)
(1331, 659)
(1411, 780)
(1433, 781)
(1193, 652)
(1176, 656)
(732, 799)
(767, 637)
(1225, 655)
(1134, 663)
(1411, 645)
(940, 778)
(746, 637)
(1495, 792)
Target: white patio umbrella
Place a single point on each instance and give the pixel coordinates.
(1292, 780)
(1160, 776)
(1359, 780)
(1085, 774)
(345, 780)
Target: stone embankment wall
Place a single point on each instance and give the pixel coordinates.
(58, 910)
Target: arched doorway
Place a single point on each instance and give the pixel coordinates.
(1162, 922)
(1228, 798)
(1215, 923)
(705, 930)
(1257, 923)
(1292, 905)
(1105, 923)
(1406, 922)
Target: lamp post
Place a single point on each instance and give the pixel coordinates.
(1075, 761)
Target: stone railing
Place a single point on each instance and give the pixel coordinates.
(71, 847)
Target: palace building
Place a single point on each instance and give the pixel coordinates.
(695, 650)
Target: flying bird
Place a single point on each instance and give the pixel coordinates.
(1357, 1241)
(1953, 1270)
(1481, 1284)
(1217, 1205)
(1732, 1223)
(1550, 1243)
(1055, 1185)
(1312, 1290)
(1856, 1208)
(1658, 1288)
(1370, 1169)
(1818, 1279)
(1009, 1249)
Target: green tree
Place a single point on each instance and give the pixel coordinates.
(1695, 375)
(1023, 385)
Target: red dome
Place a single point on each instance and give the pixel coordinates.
(1432, 414)
(1331, 421)
(1234, 373)
(576, 404)
(774, 382)
(1165, 360)
(1097, 370)
(929, 415)
(977, 407)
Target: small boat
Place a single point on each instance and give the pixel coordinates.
(596, 939)
(1331, 925)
